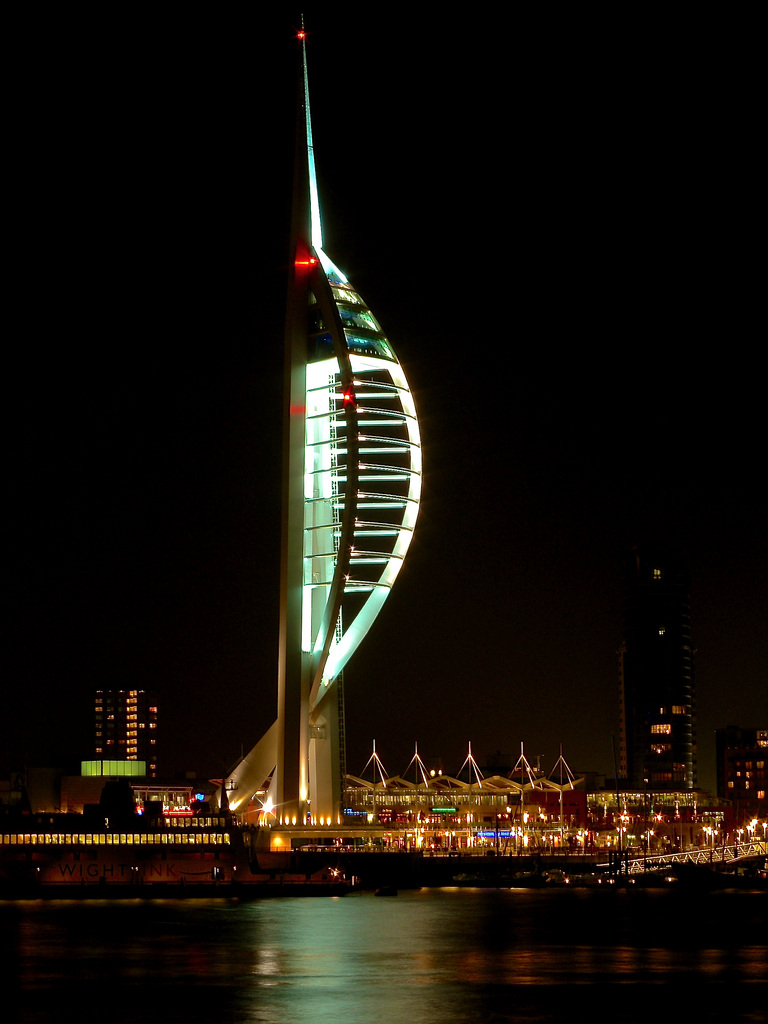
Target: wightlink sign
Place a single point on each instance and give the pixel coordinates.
(105, 872)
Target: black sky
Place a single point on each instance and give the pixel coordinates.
(557, 225)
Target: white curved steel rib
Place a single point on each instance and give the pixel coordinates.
(390, 485)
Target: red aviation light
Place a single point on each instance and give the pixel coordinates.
(349, 398)
(304, 255)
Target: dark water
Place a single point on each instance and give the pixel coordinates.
(428, 957)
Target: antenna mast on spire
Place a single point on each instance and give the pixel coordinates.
(314, 199)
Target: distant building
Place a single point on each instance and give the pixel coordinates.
(125, 727)
(661, 821)
(163, 796)
(742, 755)
(656, 685)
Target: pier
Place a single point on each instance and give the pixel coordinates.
(425, 869)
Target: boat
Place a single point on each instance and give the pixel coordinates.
(55, 856)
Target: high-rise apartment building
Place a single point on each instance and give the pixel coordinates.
(656, 685)
(125, 727)
(742, 769)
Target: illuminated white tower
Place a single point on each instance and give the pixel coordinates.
(351, 489)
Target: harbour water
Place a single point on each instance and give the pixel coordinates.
(431, 956)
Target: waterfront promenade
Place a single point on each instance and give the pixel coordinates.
(744, 862)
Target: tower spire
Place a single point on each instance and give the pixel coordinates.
(314, 201)
(351, 492)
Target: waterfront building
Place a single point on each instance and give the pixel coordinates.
(152, 797)
(658, 820)
(656, 683)
(512, 813)
(125, 727)
(454, 801)
(351, 491)
(741, 770)
(447, 813)
(433, 810)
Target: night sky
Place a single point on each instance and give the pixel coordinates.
(555, 222)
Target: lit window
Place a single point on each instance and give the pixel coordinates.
(657, 574)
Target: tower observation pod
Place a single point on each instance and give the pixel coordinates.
(351, 490)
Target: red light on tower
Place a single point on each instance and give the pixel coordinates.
(349, 397)
(304, 255)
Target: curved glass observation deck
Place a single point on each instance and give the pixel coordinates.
(362, 481)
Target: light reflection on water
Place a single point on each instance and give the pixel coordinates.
(428, 957)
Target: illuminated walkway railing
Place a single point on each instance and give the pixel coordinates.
(699, 855)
